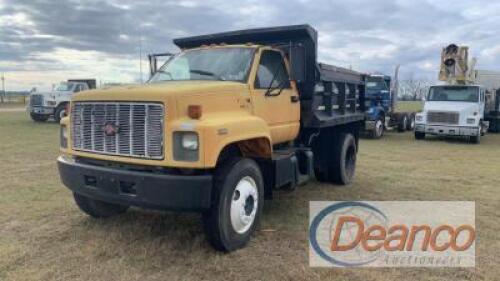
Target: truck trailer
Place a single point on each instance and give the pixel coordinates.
(215, 130)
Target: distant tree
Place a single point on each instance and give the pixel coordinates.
(413, 89)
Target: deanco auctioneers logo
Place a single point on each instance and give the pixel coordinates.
(392, 234)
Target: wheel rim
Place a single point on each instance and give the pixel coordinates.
(404, 122)
(412, 124)
(379, 128)
(244, 203)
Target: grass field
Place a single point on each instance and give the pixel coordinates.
(43, 236)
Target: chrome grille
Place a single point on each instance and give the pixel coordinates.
(442, 117)
(139, 128)
(36, 100)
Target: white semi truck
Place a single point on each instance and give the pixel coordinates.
(45, 104)
(467, 105)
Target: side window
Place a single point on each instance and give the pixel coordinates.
(78, 88)
(271, 65)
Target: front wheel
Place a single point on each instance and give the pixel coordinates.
(60, 112)
(475, 139)
(419, 135)
(378, 130)
(237, 203)
(39, 117)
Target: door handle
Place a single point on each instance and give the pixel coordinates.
(294, 98)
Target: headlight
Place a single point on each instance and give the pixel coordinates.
(186, 146)
(471, 120)
(190, 141)
(63, 136)
(419, 118)
(51, 103)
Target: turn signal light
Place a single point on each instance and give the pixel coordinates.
(194, 111)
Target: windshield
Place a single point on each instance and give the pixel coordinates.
(376, 84)
(454, 93)
(64, 87)
(225, 64)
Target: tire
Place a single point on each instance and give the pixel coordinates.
(378, 130)
(96, 208)
(237, 203)
(475, 139)
(341, 166)
(419, 135)
(39, 117)
(411, 123)
(403, 123)
(60, 112)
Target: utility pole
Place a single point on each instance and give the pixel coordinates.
(3, 88)
(140, 57)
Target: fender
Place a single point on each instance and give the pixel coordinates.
(375, 114)
(221, 130)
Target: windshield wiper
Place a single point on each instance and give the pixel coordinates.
(206, 73)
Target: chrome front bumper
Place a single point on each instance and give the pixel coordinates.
(41, 110)
(443, 130)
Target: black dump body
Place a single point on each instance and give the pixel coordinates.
(340, 100)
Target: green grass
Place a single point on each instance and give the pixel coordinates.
(11, 104)
(43, 236)
(409, 106)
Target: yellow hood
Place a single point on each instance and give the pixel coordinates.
(161, 91)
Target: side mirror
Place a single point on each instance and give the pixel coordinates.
(297, 55)
(152, 64)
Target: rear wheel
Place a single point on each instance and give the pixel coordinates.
(39, 117)
(96, 208)
(411, 122)
(419, 135)
(341, 163)
(237, 204)
(403, 123)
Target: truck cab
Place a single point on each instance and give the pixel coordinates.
(380, 99)
(453, 110)
(45, 104)
(215, 130)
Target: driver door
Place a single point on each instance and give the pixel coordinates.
(280, 108)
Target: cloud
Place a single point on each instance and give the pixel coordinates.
(101, 38)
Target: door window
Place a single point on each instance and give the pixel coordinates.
(271, 69)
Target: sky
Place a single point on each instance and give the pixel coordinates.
(43, 42)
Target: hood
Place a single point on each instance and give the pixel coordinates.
(450, 106)
(51, 94)
(161, 90)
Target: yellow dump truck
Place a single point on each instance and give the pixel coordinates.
(216, 129)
